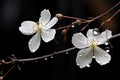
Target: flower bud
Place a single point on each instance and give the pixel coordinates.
(77, 22)
(1, 78)
(64, 32)
(59, 16)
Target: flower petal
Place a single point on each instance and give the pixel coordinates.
(28, 27)
(84, 57)
(34, 42)
(101, 56)
(90, 35)
(104, 36)
(45, 17)
(80, 41)
(52, 22)
(48, 35)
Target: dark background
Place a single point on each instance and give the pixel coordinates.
(62, 66)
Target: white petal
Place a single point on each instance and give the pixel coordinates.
(34, 42)
(45, 17)
(90, 35)
(101, 56)
(84, 57)
(48, 35)
(104, 36)
(80, 41)
(28, 27)
(52, 22)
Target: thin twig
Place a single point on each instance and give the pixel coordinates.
(88, 21)
(49, 55)
(109, 19)
(38, 58)
(115, 36)
(74, 18)
(103, 14)
(85, 26)
(114, 14)
(55, 53)
(45, 56)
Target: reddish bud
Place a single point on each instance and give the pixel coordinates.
(64, 32)
(59, 16)
(77, 22)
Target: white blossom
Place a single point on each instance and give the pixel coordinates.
(89, 48)
(41, 29)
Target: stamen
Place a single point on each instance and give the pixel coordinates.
(93, 44)
(39, 27)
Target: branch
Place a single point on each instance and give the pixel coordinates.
(103, 14)
(37, 58)
(78, 21)
(109, 19)
(86, 21)
(45, 56)
(13, 60)
(115, 36)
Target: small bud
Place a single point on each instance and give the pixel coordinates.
(1, 78)
(59, 16)
(64, 32)
(77, 22)
(3, 61)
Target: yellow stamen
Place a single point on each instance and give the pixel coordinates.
(39, 27)
(93, 44)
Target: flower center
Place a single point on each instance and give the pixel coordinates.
(93, 44)
(39, 27)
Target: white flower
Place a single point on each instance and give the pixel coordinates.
(89, 48)
(42, 29)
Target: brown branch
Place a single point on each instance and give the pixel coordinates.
(77, 22)
(109, 19)
(69, 17)
(115, 36)
(45, 56)
(38, 58)
(88, 21)
(114, 14)
(14, 60)
(108, 11)
(103, 14)
(55, 53)
(49, 55)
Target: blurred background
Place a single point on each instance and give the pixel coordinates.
(62, 66)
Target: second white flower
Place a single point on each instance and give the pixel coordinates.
(89, 48)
